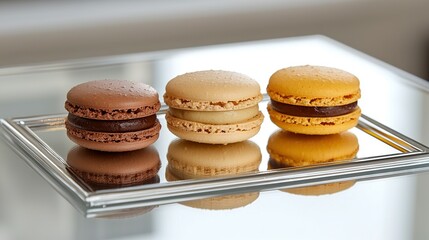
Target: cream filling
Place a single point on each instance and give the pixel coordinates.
(224, 117)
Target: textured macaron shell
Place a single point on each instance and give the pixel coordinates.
(290, 149)
(114, 142)
(188, 159)
(214, 133)
(112, 100)
(114, 168)
(313, 86)
(212, 90)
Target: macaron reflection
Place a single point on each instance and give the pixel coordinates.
(123, 213)
(288, 149)
(315, 190)
(191, 160)
(101, 170)
(297, 150)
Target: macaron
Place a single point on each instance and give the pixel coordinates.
(112, 115)
(314, 100)
(296, 150)
(192, 160)
(113, 169)
(213, 106)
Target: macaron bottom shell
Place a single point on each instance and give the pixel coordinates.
(314, 125)
(214, 133)
(114, 142)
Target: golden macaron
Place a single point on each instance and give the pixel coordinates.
(314, 100)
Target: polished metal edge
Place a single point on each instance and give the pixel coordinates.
(40, 157)
(270, 180)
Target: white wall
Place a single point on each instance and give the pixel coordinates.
(34, 32)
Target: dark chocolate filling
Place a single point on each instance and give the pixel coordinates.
(112, 126)
(304, 111)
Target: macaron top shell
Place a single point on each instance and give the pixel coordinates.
(122, 96)
(212, 90)
(313, 86)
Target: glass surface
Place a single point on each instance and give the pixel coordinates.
(387, 208)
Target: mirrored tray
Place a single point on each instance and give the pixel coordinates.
(42, 142)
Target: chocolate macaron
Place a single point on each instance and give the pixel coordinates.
(112, 169)
(214, 106)
(113, 115)
(314, 100)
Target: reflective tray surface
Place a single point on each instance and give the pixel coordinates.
(43, 143)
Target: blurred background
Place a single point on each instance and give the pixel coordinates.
(35, 32)
(83, 32)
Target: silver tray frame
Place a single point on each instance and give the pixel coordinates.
(21, 136)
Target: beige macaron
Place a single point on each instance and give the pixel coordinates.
(213, 106)
(314, 100)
